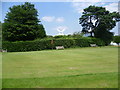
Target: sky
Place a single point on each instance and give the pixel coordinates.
(62, 15)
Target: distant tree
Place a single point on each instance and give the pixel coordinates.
(116, 39)
(98, 22)
(49, 36)
(60, 36)
(77, 34)
(21, 24)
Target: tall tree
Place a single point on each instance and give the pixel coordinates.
(98, 22)
(0, 31)
(22, 23)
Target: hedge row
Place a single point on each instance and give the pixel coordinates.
(37, 45)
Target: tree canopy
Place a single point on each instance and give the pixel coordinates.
(0, 31)
(98, 22)
(22, 23)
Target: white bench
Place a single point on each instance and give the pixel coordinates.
(59, 47)
(93, 45)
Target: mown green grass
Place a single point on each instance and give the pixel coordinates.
(70, 68)
(0, 70)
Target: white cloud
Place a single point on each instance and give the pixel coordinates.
(94, 0)
(79, 6)
(112, 7)
(59, 0)
(53, 19)
(48, 18)
(60, 19)
(86, 0)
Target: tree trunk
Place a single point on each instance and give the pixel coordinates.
(118, 44)
(91, 34)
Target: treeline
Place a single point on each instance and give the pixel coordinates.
(22, 30)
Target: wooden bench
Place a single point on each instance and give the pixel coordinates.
(93, 45)
(59, 47)
(1, 50)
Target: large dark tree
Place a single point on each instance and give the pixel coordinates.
(0, 35)
(0, 31)
(98, 22)
(22, 23)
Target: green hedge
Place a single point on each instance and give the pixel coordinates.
(22, 46)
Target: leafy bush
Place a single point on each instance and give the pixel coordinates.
(60, 36)
(97, 41)
(67, 43)
(116, 39)
(36, 45)
(26, 46)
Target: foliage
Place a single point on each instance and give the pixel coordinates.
(36, 45)
(77, 34)
(67, 43)
(104, 35)
(0, 35)
(60, 36)
(49, 36)
(22, 24)
(41, 31)
(0, 31)
(21, 46)
(98, 22)
(116, 39)
(74, 35)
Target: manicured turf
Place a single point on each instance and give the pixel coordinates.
(70, 68)
(0, 70)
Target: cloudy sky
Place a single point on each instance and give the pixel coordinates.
(65, 15)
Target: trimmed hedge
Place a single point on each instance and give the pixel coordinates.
(22, 46)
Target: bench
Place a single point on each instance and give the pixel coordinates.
(59, 47)
(93, 45)
(1, 50)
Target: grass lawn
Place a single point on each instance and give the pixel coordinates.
(92, 67)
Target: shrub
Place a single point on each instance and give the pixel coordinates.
(67, 43)
(97, 41)
(60, 36)
(116, 39)
(36, 45)
(26, 46)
